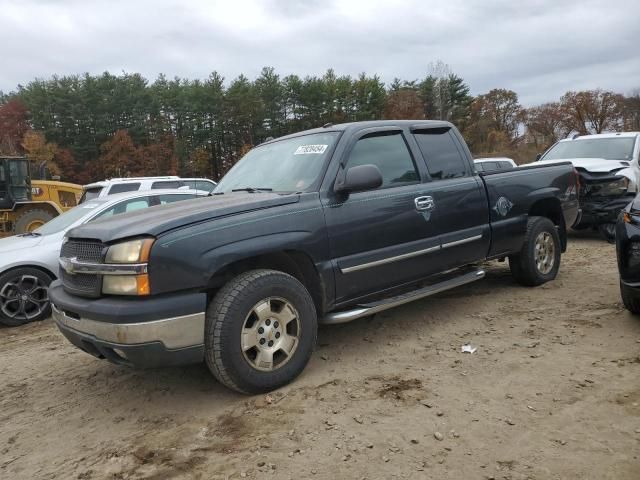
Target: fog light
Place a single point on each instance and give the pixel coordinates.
(126, 284)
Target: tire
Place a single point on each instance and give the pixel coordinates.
(539, 259)
(608, 231)
(630, 299)
(30, 220)
(24, 296)
(267, 299)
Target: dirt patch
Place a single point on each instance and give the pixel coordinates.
(396, 387)
(551, 393)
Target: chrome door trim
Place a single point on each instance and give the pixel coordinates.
(462, 241)
(384, 261)
(405, 256)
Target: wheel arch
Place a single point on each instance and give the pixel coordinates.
(42, 268)
(296, 263)
(551, 209)
(47, 205)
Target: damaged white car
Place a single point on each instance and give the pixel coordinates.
(609, 169)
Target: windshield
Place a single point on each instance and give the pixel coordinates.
(68, 218)
(90, 194)
(290, 165)
(608, 148)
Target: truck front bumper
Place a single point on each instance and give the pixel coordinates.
(149, 332)
(599, 210)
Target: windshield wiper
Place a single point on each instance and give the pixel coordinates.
(252, 189)
(30, 234)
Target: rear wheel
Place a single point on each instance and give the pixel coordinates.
(260, 330)
(630, 298)
(608, 231)
(24, 296)
(539, 259)
(31, 219)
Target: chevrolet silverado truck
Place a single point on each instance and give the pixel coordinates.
(324, 226)
(609, 169)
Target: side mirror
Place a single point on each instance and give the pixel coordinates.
(538, 157)
(359, 179)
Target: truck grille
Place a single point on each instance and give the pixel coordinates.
(82, 284)
(83, 250)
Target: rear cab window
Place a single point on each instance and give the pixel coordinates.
(441, 153)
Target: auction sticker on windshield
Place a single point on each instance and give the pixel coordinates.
(309, 149)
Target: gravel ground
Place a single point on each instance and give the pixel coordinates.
(553, 392)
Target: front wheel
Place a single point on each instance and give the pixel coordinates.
(539, 258)
(24, 296)
(260, 330)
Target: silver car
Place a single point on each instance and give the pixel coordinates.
(29, 262)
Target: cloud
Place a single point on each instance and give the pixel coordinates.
(540, 49)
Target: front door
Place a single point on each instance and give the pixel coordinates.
(384, 237)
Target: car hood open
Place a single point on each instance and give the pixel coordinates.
(155, 221)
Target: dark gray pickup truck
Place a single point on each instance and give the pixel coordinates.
(327, 225)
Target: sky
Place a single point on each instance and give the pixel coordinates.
(538, 48)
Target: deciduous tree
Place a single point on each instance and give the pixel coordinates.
(404, 104)
(592, 111)
(40, 152)
(13, 126)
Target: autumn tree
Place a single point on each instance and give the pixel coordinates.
(631, 111)
(13, 126)
(494, 122)
(199, 163)
(68, 167)
(158, 158)
(119, 157)
(592, 111)
(404, 104)
(41, 154)
(546, 124)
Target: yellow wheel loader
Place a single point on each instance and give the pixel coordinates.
(25, 204)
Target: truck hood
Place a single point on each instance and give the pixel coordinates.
(157, 220)
(594, 165)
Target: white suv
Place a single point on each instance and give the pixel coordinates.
(132, 184)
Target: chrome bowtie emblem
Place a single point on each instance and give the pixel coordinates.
(502, 206)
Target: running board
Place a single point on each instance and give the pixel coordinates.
(375, 307)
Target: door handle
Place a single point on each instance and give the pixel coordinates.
(425, 204)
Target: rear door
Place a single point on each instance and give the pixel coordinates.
(381, 238)
(460, 209)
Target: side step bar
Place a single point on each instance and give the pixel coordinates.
(375, 307)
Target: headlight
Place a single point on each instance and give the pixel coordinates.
(129, 260)
(618, 187)
(134, 251)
